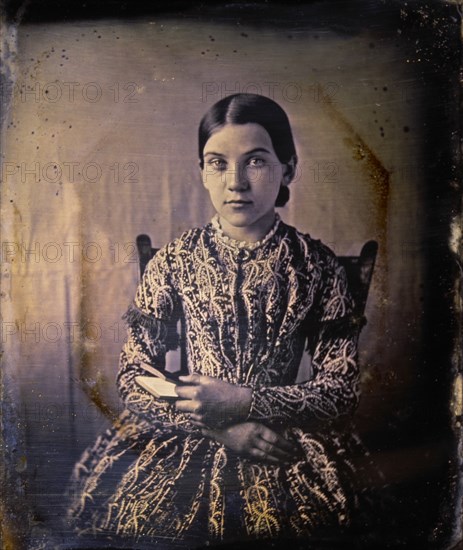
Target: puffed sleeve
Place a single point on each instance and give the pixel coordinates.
(149, 338)
(333, 390)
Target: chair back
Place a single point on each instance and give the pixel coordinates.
(359, 271)
(145, 253)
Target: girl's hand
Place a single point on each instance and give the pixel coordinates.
(256, 441)
(212, 402)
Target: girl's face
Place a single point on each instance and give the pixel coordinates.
(243, 176)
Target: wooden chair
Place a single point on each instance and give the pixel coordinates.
(359, 271)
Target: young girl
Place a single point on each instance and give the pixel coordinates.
(244, 453)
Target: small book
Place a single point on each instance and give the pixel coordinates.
(162, 389)
(170, 376)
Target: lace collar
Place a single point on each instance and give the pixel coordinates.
(240, 245)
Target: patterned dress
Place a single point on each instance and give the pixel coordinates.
(249, 313)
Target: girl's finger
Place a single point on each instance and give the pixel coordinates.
(197, 420)
(186, 392)
(276, 439)
(187, 405)
(272, 450)
(198, 423)
(262, 455)
(191, 378)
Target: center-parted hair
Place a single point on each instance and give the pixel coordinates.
(251, 108)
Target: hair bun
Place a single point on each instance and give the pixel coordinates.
(283, 196)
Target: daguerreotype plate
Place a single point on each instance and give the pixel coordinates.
(100, 106)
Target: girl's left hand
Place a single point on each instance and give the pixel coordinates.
(256, 441)
(212, 402)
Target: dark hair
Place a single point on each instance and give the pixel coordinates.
(251, 108)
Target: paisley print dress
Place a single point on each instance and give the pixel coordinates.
(250, 311)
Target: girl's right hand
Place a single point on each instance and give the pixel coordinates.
(256, 441)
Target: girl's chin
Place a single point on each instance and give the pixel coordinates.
(244, 221)
(238, 219)
(233, 222)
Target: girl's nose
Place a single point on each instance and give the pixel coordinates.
(237, 178)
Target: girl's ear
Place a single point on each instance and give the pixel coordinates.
(289, 171)
(202, 175)
(200, 168)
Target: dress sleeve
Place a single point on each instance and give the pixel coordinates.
(333, 390)
(148, 340)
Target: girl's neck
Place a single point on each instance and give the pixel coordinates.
(250, 233)
(246, 235)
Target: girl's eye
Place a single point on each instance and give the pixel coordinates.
(217, 164)
(256, 162)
